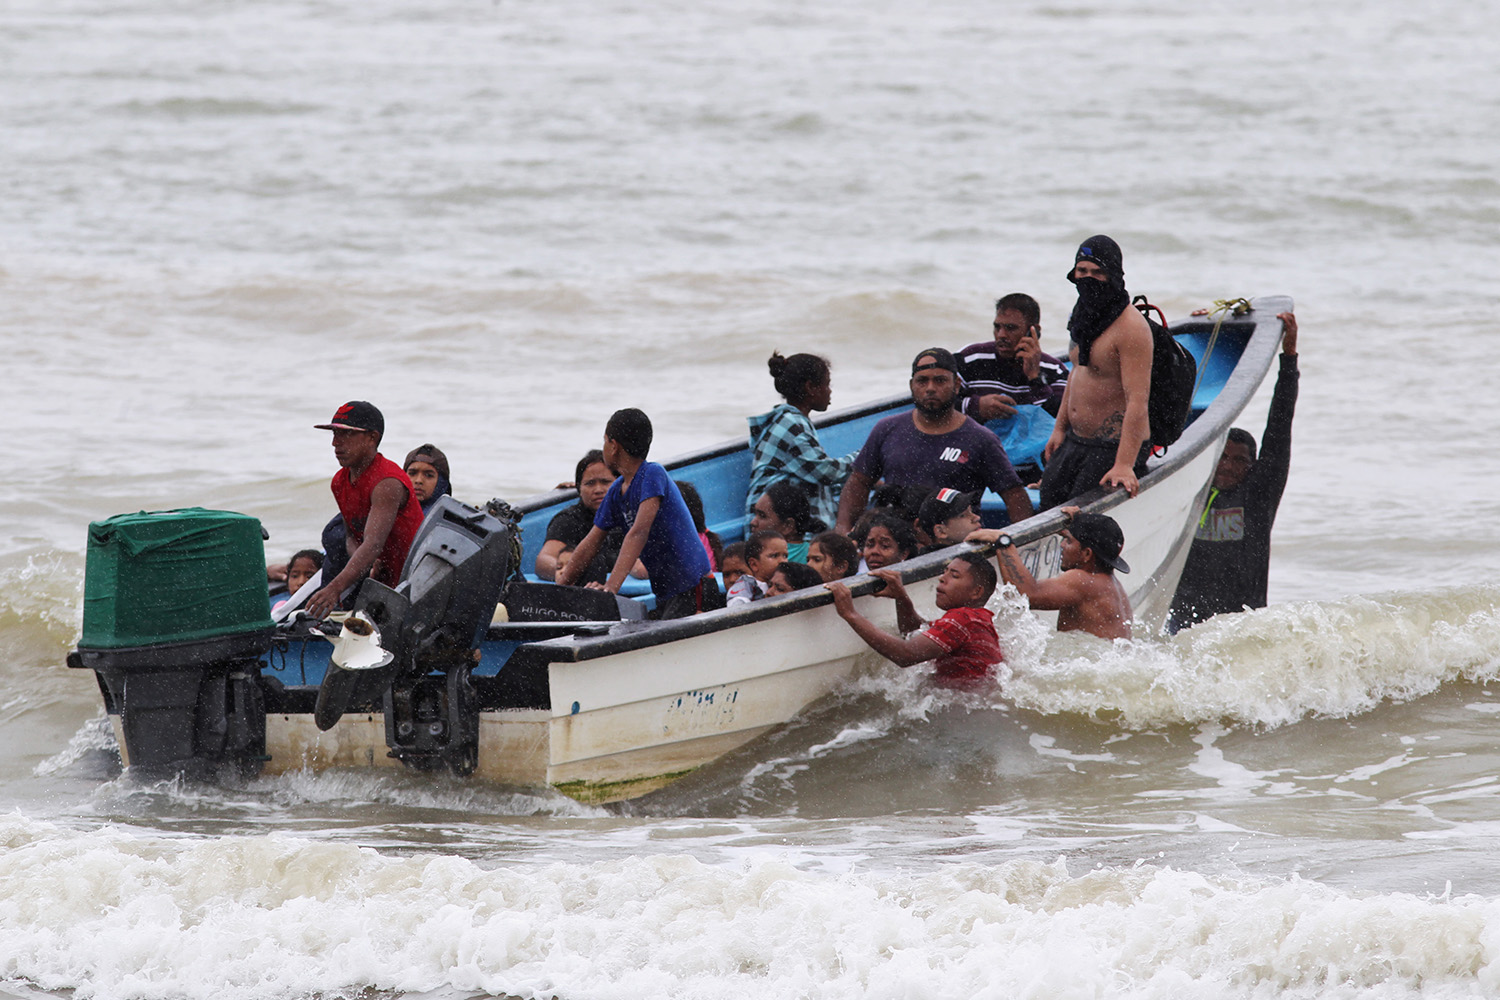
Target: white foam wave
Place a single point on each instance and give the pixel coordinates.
(94, 738)
(1272, 666)
(112, 915)
(348, 789)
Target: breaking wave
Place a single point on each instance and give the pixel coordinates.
(114, 915)
(1268, 667)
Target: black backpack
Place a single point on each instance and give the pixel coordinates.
(1174, 373)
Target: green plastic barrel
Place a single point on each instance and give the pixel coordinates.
(173, 576)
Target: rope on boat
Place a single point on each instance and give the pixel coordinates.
(1222, 309)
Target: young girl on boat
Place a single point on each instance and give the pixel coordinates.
(784, 444)
(784, 509)
(888, 540)
(833, 556)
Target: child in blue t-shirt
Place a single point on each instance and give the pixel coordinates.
(658, 527)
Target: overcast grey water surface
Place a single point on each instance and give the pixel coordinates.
(501, 221)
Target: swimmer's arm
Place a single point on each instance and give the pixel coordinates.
(902, 652)
(1012, 570)
(907, 619)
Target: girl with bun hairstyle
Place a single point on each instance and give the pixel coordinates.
(784, 444)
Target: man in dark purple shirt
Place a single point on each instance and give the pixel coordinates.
(932, 446)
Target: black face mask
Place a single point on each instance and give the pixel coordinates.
(1099, 304)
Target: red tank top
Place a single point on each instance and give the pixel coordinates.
(354, 503)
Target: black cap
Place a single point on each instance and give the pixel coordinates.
(1102, 251)
(1100, 534)
(941, 505)
(356, 415)
(940, 359)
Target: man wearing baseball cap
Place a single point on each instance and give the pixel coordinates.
(946, 517)
(380, 510)
(932, 446)
(1085, 595)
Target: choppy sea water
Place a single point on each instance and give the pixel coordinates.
(501, 221)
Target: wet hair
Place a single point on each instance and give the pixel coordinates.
(799, 576)
(432, 455)
(735, 550)
(793, 374)
(589, 458)
(1023, 304)
(902, 531)
(756, 544)
(789, 502)
(840, 549)
(1238, 435)
(983, 570)
(313, 554)
(631, 429)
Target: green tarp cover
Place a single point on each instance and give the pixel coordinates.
(173, 576)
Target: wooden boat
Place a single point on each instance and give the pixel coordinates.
(607, 711)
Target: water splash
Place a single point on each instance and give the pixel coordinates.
(1272, 666)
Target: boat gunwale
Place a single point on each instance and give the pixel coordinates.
(1246, 377)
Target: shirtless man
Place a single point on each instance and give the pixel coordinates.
(1085, 595)
(1102, 426)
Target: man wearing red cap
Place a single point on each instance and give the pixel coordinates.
(380, 510)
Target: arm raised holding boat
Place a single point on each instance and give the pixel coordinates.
(1229, 565)
(904, 652)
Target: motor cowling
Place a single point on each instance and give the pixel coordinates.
(176, 618)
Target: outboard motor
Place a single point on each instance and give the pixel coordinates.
(431, 624)
(176, 618)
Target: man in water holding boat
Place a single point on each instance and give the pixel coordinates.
(1102, 433)
(1230, 559)
(962, 644)
(380, 509)
(1085, 595)
(932, 446)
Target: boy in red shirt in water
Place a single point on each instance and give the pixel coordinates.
(962, 643)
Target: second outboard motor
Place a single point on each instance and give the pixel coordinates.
(432, 624)
(175, 620)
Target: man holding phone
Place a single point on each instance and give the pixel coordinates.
(1011, 370)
